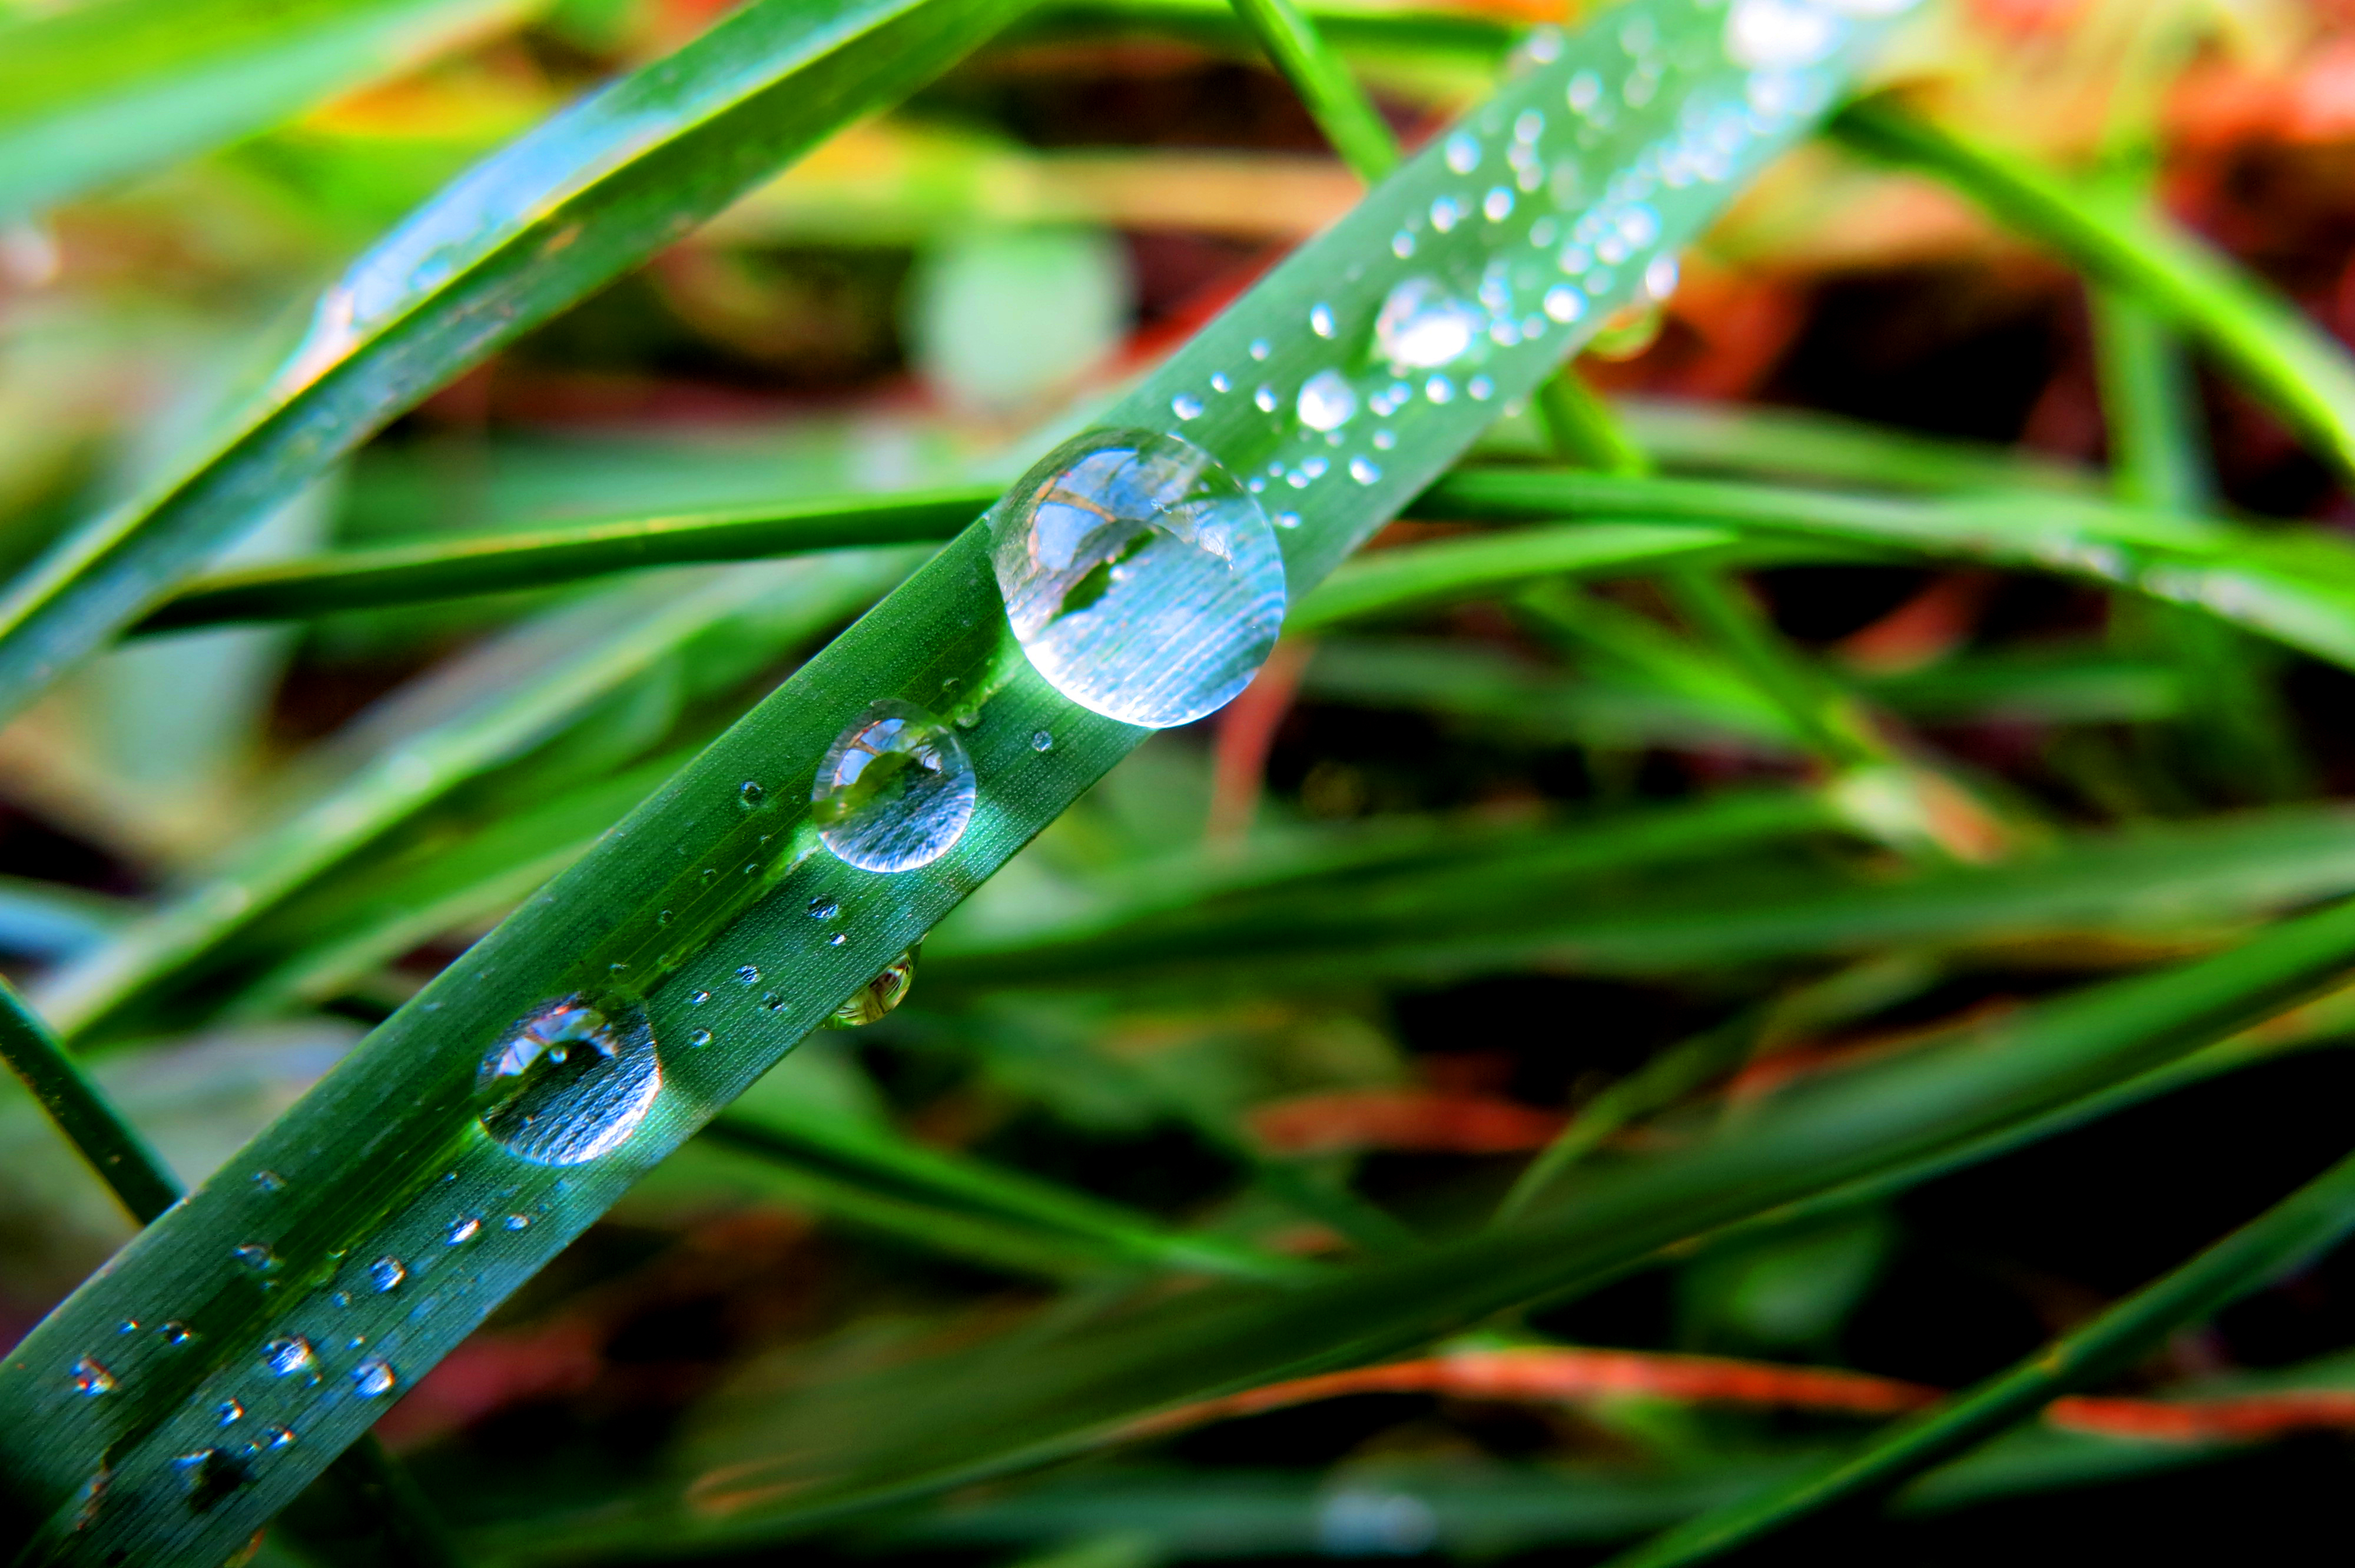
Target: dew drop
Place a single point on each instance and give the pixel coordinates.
(1042, 741)
(751, 793)
(517, 1222)
(837, 939)
(287, 1354)
(1259, 349)
(176, 1332)
(748, 974)
(1312, 467)
(1265, 400)
(895, 791)
(1444, 212)
(1363, 471)
(1660, 277)
(568, 1083)
(1320, 319)
(1420, 326)
(387, 1273)
(461, 1230)
(256, 1257)
(1287, 520)
(128, 1326)
(373, 1379)
(1328, 401)
(275, 1437)
(879, 995)
(1497, 205)
(1564, 303)
(1585, 90)
(700, 1038)
(1779, 35)
(92, 1378)
(270, 1180)
(1439, 390)
(229, 1411)
(1186, 406)
(1140, 580)
(1385, 439)
(1402, 245)
(1527, 126)
(1218, 382)
(1462, 153)
(823, 908)
(1480, 388)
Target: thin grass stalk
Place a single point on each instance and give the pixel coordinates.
(1330, 94)
(2293, 1230)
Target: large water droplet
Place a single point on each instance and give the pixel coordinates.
(372, 1379)
(1143, 581)
(90, 1377)
(287, 1354)
(1328, 401)
(1421, 324)
(894, 793)
(461, 1230)
(569, 1081)
(879, 995)
(1462, 153)
(1779, 35)
(387, 1273)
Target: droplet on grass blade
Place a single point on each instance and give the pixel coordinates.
(878, 996)
(1140, 580)
(569, 1081)
(1420, 326)
(1326, 401)
(894, 793)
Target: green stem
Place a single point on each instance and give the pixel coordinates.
(1332, 96)
(1582, 429)
(2287, 360)
(2292, 1230)
(145, 1186)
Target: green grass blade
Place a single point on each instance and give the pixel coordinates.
(2278, 352)
(1811, 447)
(954, 1418)
(132, 1171)
(496, 563)
(93, 92)
(1334, 100)
(2300, 1226)
(708, 887)
(535, 228)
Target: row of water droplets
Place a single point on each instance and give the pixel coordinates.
(1145, 581)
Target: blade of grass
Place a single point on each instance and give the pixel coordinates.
(2281, 356)
(312, 586)
(97, 92)
(533, 228)
(1812, 447)
(2302, 1224)
(707, 888)
(1340, 108)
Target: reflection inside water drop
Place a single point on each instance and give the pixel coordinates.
(569, 1081)
(878, 996)
(1143, 581)
(372, 1379)
(894, 793)
(90, 1377)
(1420, 326)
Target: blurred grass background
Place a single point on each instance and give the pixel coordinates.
(933, 298)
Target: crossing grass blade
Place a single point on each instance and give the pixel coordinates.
(94, 92)
(709, 888)
(558, 213)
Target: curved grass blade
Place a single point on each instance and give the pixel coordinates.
(2300, 1226)
(1340, 108)
(123, 1160)
(96, 91)
(455, 568)
(2279, 353)
(948, 1419)
(712, 887)
(535, 227)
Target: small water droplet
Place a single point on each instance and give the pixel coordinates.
(270, 1180)
(1420, 326)
(569, 1081)
(1186, 406)
(1320, 319)
(229, 1411)
(372, 1378)
(176, 1332)
(1439, 390)
(1287, 519)
(256, 1257)
(663, 917)
(461, 1230)
(1585, 90)
(92, 1378)
(1497, 205)
(1480, 388)
(1564, 303)
(517, 1222)
(837, 939)
(1265, 400)
(1363, 471)
(1660, 277)
(751, 793)
(710, 874)
(699, 1037)
(274, 1437)
(1042, 741)
(1462, 152)
(1527, 126)
(287, 1355)
(697, 998)
(748, 974)
(128, 1326)
(1326, 401)
(1385, 439)
(618, 968)
(1402, 244)
(387, 1273)
(1140, 580)
(1259, 349)
(895, 791)
(879, 995)
(1445, 211)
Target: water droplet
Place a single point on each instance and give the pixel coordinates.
(287, 1354)
(1780, 35)
(1328, 401)
(879, 995)
(1259, 349)
(1143, 581)
(751, 793)
(569, 1081)
(1445, 211)
(1439, 390)
(823, 908)
(1564, 303)
(517, 1222)
(748, 974)
(461, 1230)
(837, 939)
(387, 1273)
(1480, 388)
(1527, 126)
(1421, 324)
(1265, 400)
(275, 1437)
(1218, 382)
(1287, 520)
(372, 1379)
(1320, 319)
(1660, 277)
(256, 1257)
(1186, 406)
(895, 791)
(1585, 90)
(1042, 741)
(771, 1001)
(209, 1475)
(699, 1037)
(1363, 471)
(176, 1332)
(229, 1411)
(1462, 153)
(662, 918)
(92, 1378)
(1497, 205)
(128, 1326)
(270, 1180)
(1402, 244)
(1314, 466)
